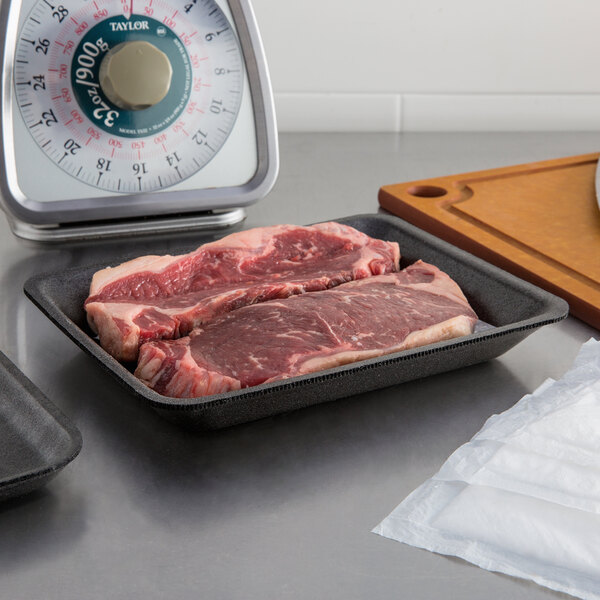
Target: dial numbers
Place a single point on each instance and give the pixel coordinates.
(59, 55)
(85, 79)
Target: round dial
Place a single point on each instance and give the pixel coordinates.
(128, 95)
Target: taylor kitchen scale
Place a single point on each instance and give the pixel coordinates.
(132, 116)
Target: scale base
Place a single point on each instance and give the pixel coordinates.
(101, 230)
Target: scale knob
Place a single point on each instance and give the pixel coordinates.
(135, 75)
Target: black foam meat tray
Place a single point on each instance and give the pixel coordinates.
(512, 306)
(36, 439)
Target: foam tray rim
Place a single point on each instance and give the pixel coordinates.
(28, 402)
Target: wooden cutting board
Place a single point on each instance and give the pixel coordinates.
(539, 221)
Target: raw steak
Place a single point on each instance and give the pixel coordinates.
(165, 297)
(302, 334)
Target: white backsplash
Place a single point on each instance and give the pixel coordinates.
(417, 65)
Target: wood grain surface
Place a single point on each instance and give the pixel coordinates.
(539, 221)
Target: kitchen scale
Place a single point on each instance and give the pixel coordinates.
(122, 117)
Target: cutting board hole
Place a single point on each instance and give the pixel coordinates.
(427, 191)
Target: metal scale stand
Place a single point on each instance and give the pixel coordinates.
(124, 117)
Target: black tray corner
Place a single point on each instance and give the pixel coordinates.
(36, 439)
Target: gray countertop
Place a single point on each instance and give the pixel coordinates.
(283, 507)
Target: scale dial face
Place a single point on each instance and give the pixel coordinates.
(128, 96)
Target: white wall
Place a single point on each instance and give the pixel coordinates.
(410, 65)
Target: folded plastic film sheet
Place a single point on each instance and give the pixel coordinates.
(523, 496)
